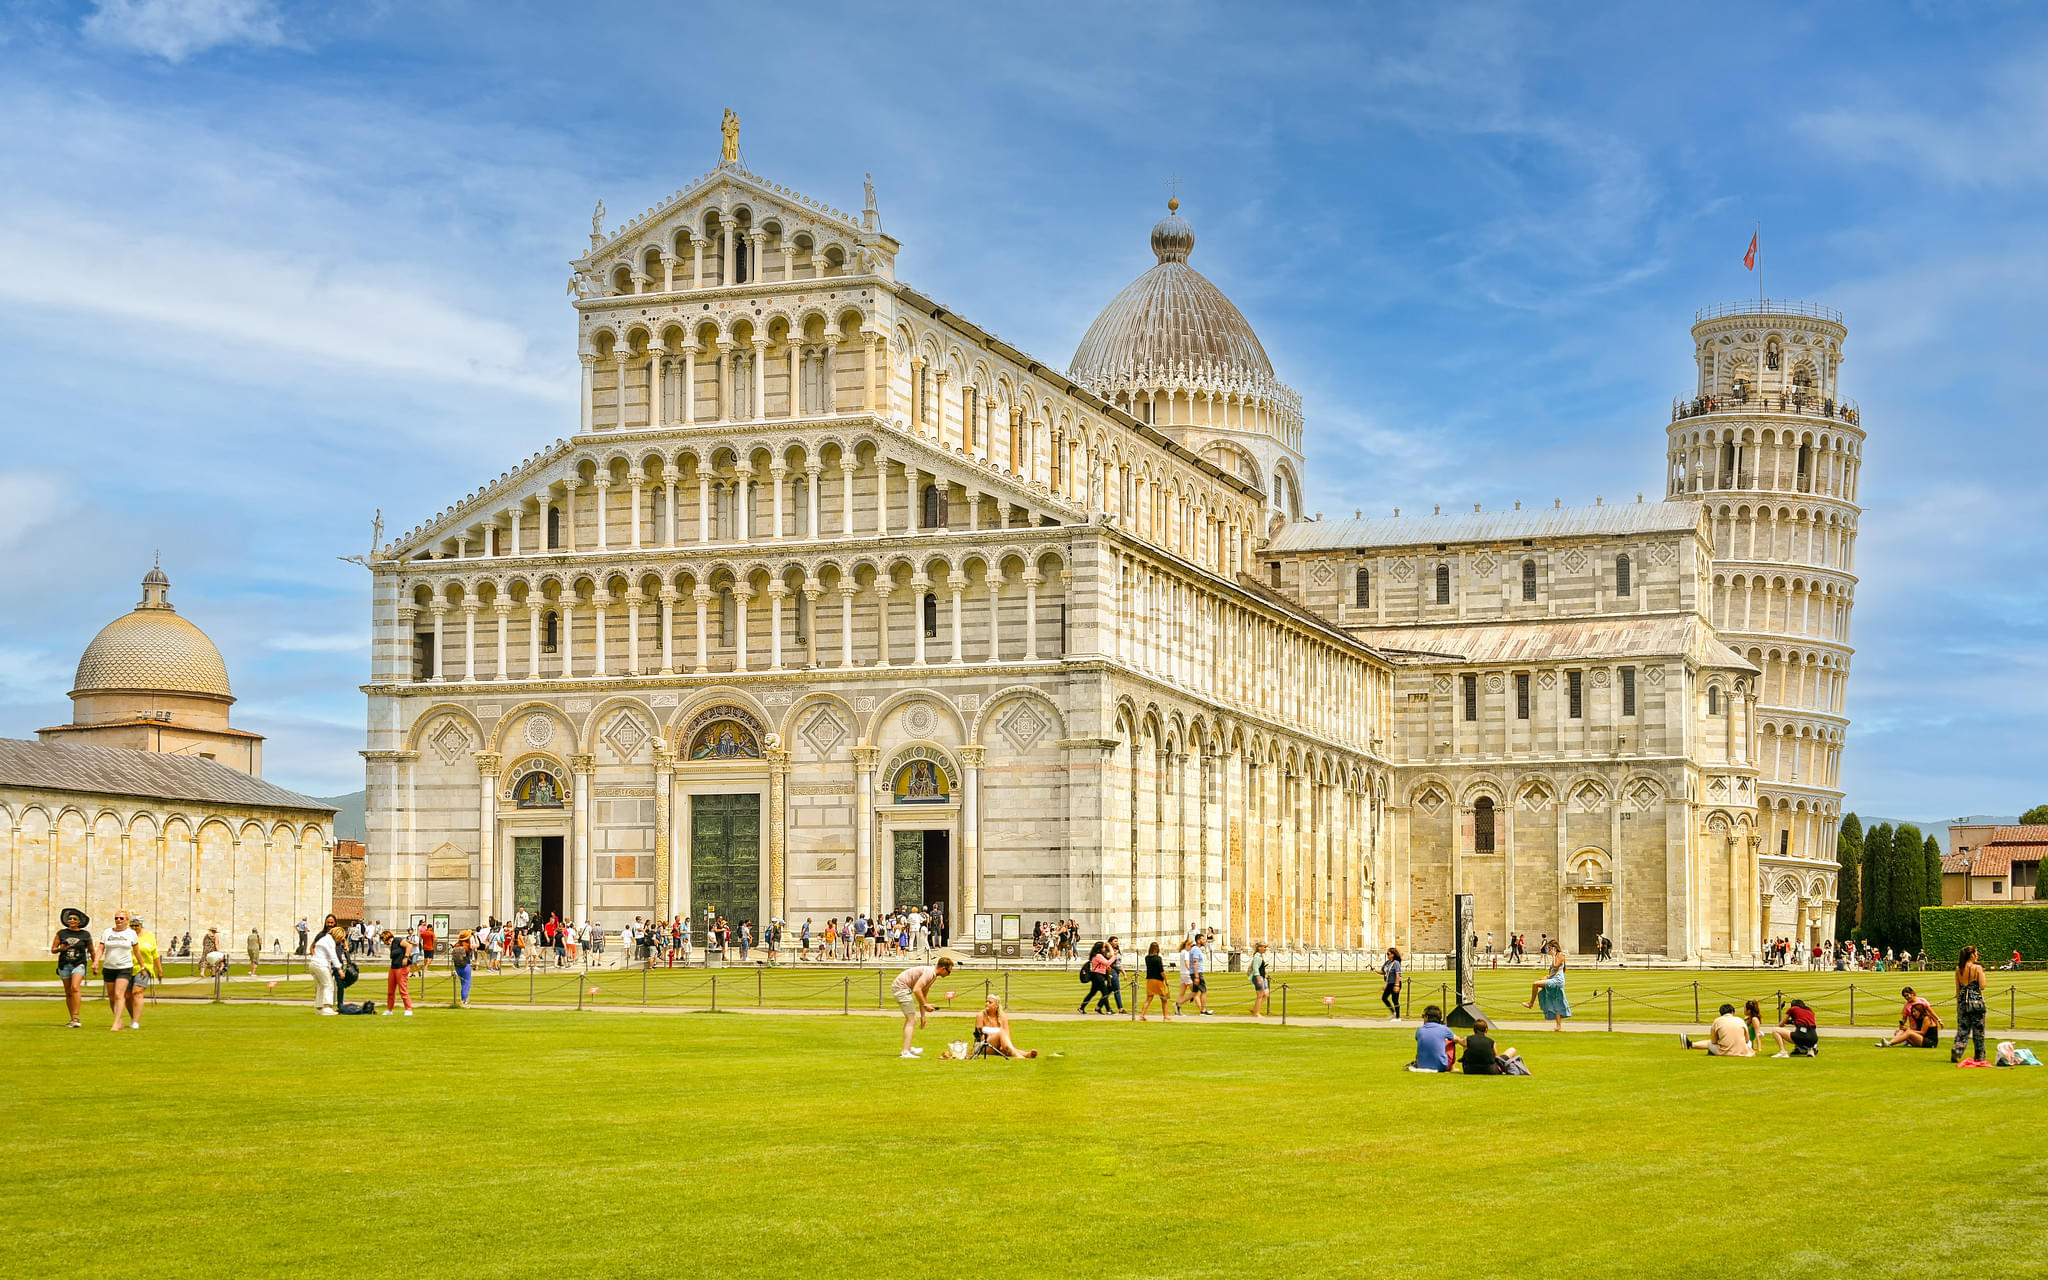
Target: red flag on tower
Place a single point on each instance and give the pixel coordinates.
(1749, 258)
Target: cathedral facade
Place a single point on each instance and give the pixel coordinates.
(835, 601)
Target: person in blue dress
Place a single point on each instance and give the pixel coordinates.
(1550, 991)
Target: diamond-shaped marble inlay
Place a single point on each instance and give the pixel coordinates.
(539, 731)
(1402, 570)
(1443, 684)
(1023, 725)
(625, 735)
(1321, 573)
(1588, 797)
(450, 742)
(1534, 798)
(1643, 795)
(824, 730)
(1653, 675)
(1483, 565)
(1547, 681)
(1662, 553)
(1574, 560)
(1430, 801)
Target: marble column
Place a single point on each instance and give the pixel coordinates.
(778, 841)
(970, 841)
(487, 832)
(584, 766)
(864, 760)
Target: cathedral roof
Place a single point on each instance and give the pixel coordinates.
(152, 649)
(1670, 516)
(1536, 641)
(1171, 319)
(123, 771)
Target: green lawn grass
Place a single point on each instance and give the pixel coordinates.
(2017, 1000)
(228, 1140)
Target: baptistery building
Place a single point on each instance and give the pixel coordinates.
(151, 801)
(834, 601)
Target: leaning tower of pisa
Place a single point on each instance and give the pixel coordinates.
(1769, 445)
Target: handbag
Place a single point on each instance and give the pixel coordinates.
(1970, 1002)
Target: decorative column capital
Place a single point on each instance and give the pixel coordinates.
(602, 480)
(972, 757)
(865, 758)
(583, 764)
(701, 594)
(472, 607)
(589, 358)
(668, 594)
(777, 470)
(779, 591)
(600, 597)
(487, 762)
(635, 475)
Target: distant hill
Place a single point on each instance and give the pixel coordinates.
(1937, 827)
(348, 823)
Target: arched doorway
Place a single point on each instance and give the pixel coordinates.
(920, 811)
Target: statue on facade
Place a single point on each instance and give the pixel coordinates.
(729, 151)
(868, 181)
(597, 220)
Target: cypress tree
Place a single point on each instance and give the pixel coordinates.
(1877, 886)
(1933, 872)
(1909, 886)
(1849, 870)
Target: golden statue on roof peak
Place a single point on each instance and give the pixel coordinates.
(729, 151)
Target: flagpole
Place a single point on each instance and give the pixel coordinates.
(1759, 264)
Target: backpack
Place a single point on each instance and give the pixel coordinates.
(1970, 1002)
(358, 1007)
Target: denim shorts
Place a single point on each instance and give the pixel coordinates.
(66, 972)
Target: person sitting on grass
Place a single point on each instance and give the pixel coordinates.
(1802, 1040)
(909, 990)
(1435, 1044)
(1727, 1037)
(993, 1026)
(1919, 1024)
(1480, 1057)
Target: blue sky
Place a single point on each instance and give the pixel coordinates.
(265, 268)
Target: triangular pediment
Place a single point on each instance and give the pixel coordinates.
(730, 189)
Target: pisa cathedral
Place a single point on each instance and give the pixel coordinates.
(836, 601)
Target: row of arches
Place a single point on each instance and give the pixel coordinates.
(1748, 604)
(1006, 605)
(1796, 535)
(723, 247)
(183, 870)
(1214, 818)
(1779, 461)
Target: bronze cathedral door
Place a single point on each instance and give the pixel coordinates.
(725, 857)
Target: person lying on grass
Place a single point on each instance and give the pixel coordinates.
(909, 990)
(1728, 1037)
(993, 1025)
(1919, 1024)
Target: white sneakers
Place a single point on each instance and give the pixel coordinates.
(326, 1012)
(906, 1054)
(912, 1052)
(408, 1013)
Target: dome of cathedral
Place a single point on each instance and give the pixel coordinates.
(1170, 318)
(152, 649)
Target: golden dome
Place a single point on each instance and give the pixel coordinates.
(152, 650)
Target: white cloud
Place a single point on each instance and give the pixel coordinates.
(176, 29)
(2003, 143)
(28, 500)
(27, 674)
(358, 314)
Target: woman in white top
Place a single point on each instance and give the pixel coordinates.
(117, 964)
(323, 963)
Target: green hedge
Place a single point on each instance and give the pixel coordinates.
(1997, 931)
